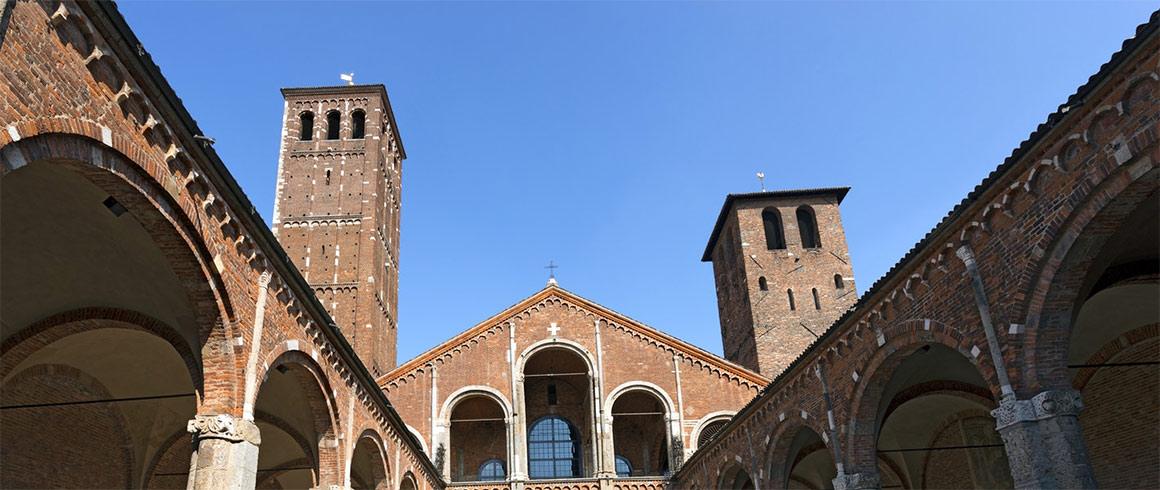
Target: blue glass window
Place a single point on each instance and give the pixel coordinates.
(623, 467)
(492, 470)
(553, 449)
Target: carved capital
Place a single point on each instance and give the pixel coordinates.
(1045, 405)
(264, 279)
(224, 427)
(966, 254)
(858, 481)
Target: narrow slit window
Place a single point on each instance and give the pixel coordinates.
(817, 304)
(306, 120)
(762, 284)
(328, 176)
(551, 394)
(789, 294)
(774, 233)
(358, 122)
(839, 282)
(332, 123)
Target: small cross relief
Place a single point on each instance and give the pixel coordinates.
(554, 329)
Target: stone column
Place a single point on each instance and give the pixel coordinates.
(1043, 441)
(225, 453)
(858, 481)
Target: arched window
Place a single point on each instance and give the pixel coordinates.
(817, 305)
(808, 226)
(623, 466)
(762, 284)
(332, 123)
(306, 120)
(554, 448)
(358, 123)
(492, 470)
(774, 235)
(838, 282)
(789, 294)
(710, 431)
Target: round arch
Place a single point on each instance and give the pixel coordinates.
(482, 431)
(651, 388)
(556, 343)
(368, 467)
(587, 420)
(720, 415)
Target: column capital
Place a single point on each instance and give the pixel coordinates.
(1045, 405)
(858, 481)
(222, 426)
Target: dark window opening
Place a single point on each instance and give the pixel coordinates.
(551, 394)
(358, 121)
(808, 227)
(838, 282)
(332, 122)
(817, 305)
(774, 234)
(328, 176)
(789, 294)
(307, 121)
(762, 284)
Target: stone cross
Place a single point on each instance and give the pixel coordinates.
(554, 329)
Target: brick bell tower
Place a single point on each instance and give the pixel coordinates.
(782, 270)
(336, 209)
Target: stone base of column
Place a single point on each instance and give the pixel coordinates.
(858, 481)
(225, 453)
(1043, 441)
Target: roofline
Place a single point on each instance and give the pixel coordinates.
(133, 54)
(1143, 35)
(438, 350)
(840, 192)
(354, 89)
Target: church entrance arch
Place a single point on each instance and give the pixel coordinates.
(558, 406)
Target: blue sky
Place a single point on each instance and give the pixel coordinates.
(605, 135)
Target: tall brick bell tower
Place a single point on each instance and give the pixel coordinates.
(782, 271)
(336, 208)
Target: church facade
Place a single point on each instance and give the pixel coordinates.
(155, 333)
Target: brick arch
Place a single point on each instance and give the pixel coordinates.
(1054, 292)
(776, 455)
(731, 472)
(136, 183)
(459, 395)
(1113, 348)
(114, 417)
(383, 472)
(903, 339)
(16, 348)
(938, 432)
(322, 405)
(150, 475)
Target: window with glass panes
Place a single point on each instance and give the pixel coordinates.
(553, 449)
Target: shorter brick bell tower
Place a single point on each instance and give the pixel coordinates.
(783, 273)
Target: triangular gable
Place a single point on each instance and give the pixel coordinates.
(665, 341)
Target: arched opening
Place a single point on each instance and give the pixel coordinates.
(934, 424)
(710, 431)
(774, 233)
(736, 478)
(839, 283)
(100, 341)
(762, 284)
(817, 302)
(558, 406)
(368, 466)
(808, 228)
(295, 417)
(478, 436)
(306, 125)
(358, 122)
(1114, 350)
(789, 297)
(808, 462)
(332, 125)
(408, 482)
(640, 433)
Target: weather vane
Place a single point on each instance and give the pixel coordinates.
(760, 176)
(348, 78)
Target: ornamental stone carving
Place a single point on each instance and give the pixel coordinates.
(224, 427)
(1045, 405)
(858, 481)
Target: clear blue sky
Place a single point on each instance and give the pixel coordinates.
(606, 135)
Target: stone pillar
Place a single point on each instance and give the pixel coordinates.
(225, 453)
(858, 481)
(1043, 441)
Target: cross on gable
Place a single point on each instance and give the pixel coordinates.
(554, 329)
